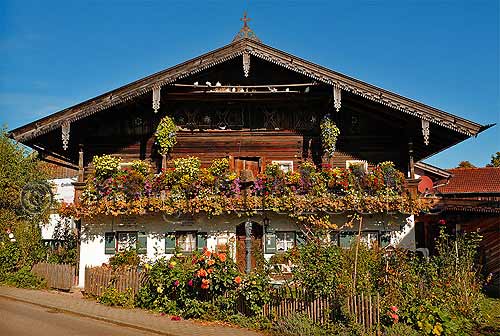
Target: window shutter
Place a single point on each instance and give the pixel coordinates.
(201, 241)
(300, 238)
(170, 243)
(270, 243)
(385, 239)
(109, 243)
(142, 243)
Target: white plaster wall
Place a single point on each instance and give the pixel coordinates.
(93, 246)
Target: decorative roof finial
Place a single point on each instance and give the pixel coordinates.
(245, 31)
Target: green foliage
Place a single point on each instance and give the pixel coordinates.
(105, 166)
(495, 160)
(125, 259)
(298, 325)
(190, 286)
(329, 135)
(257, 322)
(255, 289)
(165, 134)
(317, 266)
(465, 164)
(23, 278)
(112, 297)
(400, 329)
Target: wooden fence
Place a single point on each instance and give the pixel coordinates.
(284, 301)
(97, 279)
(288, 300)
(366, 310)
(59, 276)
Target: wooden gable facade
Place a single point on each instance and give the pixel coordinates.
(252, 103)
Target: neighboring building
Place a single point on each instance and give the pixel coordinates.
(468, 201)
(255, 105)
(63, 190)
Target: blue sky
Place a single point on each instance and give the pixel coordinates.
(55, 54)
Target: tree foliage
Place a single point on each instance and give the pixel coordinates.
(495, 160)
(465, 164)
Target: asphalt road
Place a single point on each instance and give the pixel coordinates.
(20, 319)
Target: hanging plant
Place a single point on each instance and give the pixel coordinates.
(329, 135)
(166, 134)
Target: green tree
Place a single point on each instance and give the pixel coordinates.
(465, 164)
(495, 160)
(24, 198)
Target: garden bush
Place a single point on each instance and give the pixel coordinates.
(112, 297)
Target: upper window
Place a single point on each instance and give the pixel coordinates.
(126, 241)
(222, 243)
(359, 163)
(285, 241)
(285, 166)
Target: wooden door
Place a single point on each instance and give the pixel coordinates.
(257, 256)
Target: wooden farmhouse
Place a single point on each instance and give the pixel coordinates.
(296, 147)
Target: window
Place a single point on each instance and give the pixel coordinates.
(285, 241)
(186, 241)
(285, 166)
(222, 243)
(126, 241)
(362, 163)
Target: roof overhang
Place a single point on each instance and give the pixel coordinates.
(257, 49)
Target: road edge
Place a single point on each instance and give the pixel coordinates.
(94, 317)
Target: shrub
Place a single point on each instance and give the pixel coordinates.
(112, 297)
(400, 329)
(23, 278)
(165, 134)
(125, 259)
(298, 325)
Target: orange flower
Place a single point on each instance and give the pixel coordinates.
(211, 262)
(202, 273)
(210, 270)
(205, 283)
(222, 257)
(207, 253)
(237, 279)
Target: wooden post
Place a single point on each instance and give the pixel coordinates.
(410, 154)
(163, 161)
(356, 256)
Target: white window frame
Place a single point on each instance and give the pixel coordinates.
(284, 163)
(285, 241)
(363, 163)
(184, 243)
(126, 241)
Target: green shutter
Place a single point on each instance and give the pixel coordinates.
(109, 243)
(270, 243)
(169, 243)
(385, 239)
(300, 238)
(142, 243)
(201, 241)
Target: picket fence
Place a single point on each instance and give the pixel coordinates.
(284, 301)
(58, 276)
(97, 279)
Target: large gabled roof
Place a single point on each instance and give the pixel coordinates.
(256, 49)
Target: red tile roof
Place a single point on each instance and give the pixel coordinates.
(473, 180)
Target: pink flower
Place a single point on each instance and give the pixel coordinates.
(176, 283)
(394, 309)
(190, 283)
(176, 318)
(441, 222)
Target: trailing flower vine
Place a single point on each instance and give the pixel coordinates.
(166, 137)
(306, 195)
(329, 135)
